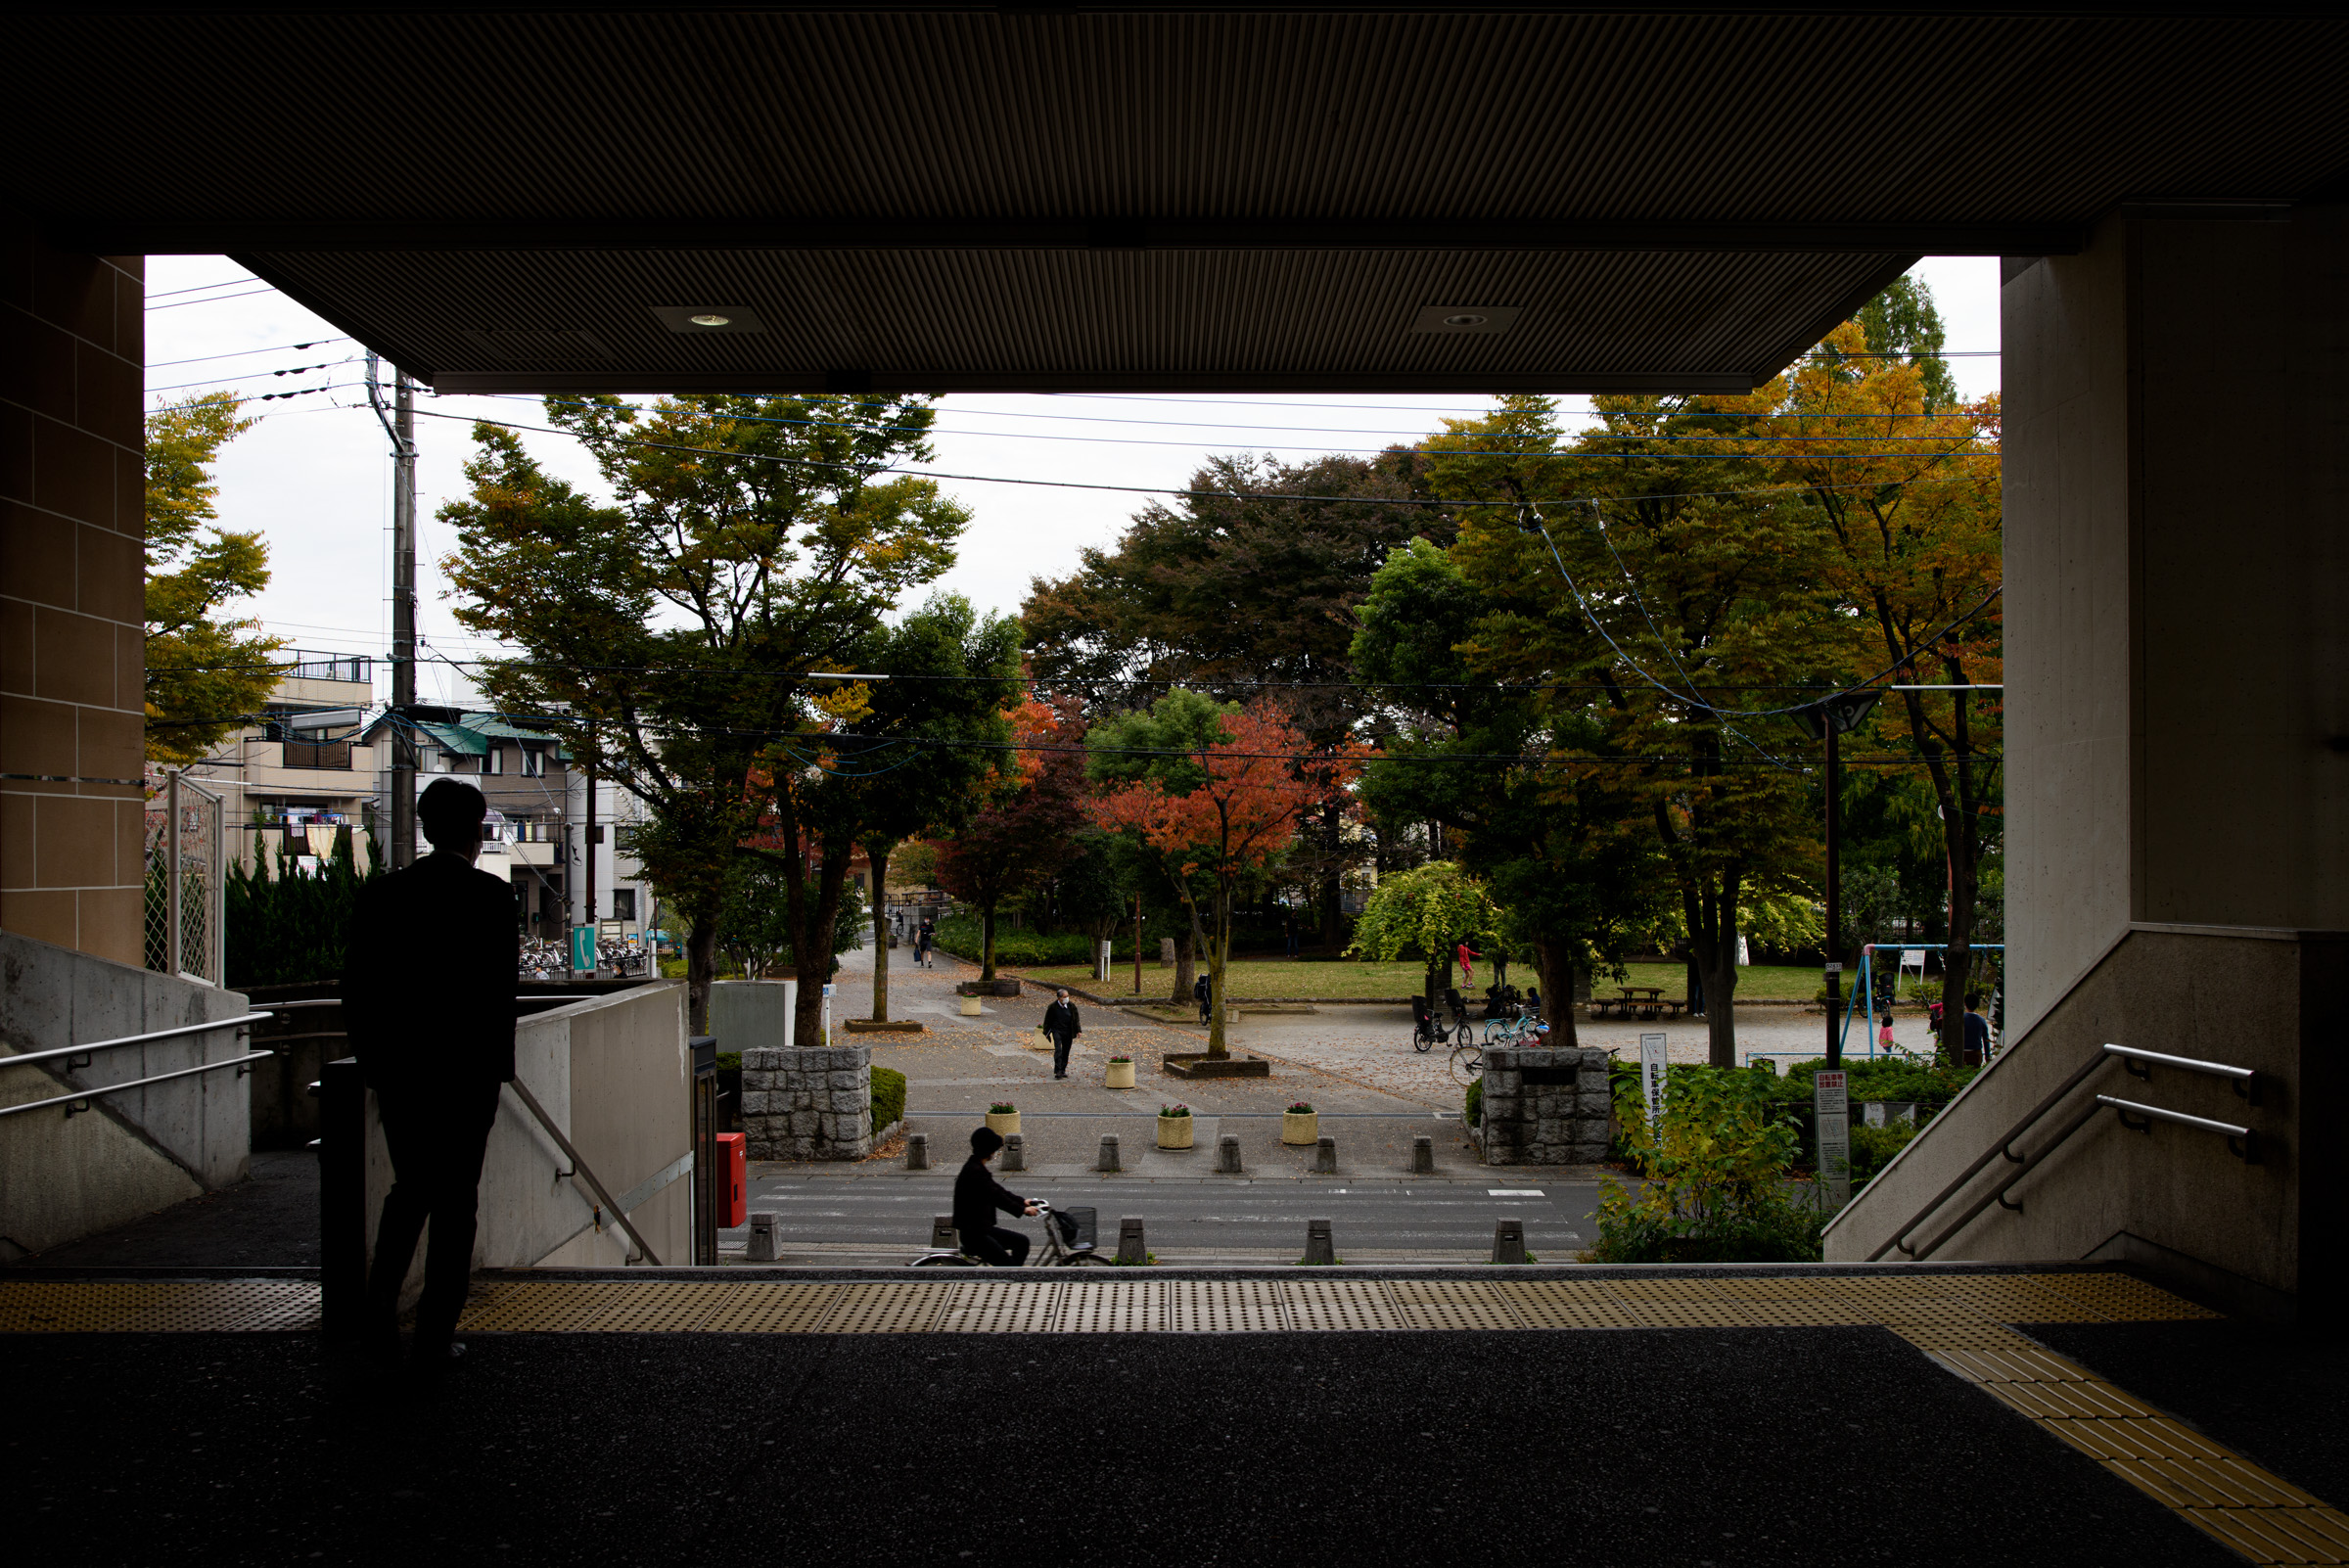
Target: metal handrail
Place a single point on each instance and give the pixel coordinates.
(69, 1100)
(579, 1168)
(2248, 1153)
(131, 1039)
(2247, 1082)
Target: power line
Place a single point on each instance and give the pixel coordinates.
(239, 353)
(199, 288)
(214, 299)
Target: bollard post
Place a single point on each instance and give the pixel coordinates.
(1326, 1156)
(1509, 1241)
(944, 1237)
(1015, 1152)
(1319, 1248)
(1227, 1154)
(763, 1237)
(1130, 1247)
(1423, 1155)
(1109, 1152)
(917, 1151)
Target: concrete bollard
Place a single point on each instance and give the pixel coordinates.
(1227, 1154)
(1130, 1247)
(1109, 1153)
(1319, 1248)
(1509, 1241)
(1015, 1152)
(917, 1151)
(762, 1237)
(1326, 1156)
(944, 1237)
(1423, 1155)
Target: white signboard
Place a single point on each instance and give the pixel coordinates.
(1652, 1078)
(1830, 1099)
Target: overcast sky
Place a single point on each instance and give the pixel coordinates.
(314, 475)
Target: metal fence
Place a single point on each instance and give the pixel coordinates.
(187, 839)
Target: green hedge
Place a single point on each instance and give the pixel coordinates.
(1476, 1103)
(962, 935)
(888, 1098)
(289, 928)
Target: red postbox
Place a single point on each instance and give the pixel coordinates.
(733, 1180)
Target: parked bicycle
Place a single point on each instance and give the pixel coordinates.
(1467, 1064)
(1427, 1031)
(1071, 1237)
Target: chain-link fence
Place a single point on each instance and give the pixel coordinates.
(187, 837)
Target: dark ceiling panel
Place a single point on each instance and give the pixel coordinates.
(1164, 196)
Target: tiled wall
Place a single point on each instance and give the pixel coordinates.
(71, 581)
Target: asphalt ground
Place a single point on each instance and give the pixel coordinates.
(1752, 1447)
(1215, 1217)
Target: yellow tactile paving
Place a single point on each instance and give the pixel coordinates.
(1224, 1306)
(1958, 1319)
(1114, 1307)
(1002, 1308)
(1567, 1303)
(1453, 1304)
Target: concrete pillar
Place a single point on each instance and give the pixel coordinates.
(1109, 1153)
(1423, 1155)
(762, 1247)
(944, 1237)
(72, 575)
(1326, 1156)
(1015, 1152)
(1509, 1241)
(917, 1151)
(1131, 1248)
(2177, 525)
(1227, 1154)
(1320, 1245)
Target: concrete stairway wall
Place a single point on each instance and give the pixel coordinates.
(2261, 1239)
(63, 1177)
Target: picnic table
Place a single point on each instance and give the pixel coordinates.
(1638, 1001)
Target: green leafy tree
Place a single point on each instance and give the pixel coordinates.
(1429, 910)
(1029, 834)
(753, 930)
(289, 928)
(676, 639)
(1252, 577)
(208, 672)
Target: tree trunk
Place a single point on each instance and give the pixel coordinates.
(1218, 958)
(813, 958)
(1553, 963)
(1957, 963)
(1187, 967)
(1331, 896)
(879, 855)
(1717, 967)
(987, 940)
(701, 967)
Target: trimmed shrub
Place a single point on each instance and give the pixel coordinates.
(963, 937)
(1715, 1176)
(888, 1098)
(1476, 1103)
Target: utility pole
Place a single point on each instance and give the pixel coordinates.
(400, 426)
(594, 952)
(1830, 720)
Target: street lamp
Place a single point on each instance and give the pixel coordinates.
(1835, 717)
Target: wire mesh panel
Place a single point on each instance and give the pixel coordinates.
(185, 881)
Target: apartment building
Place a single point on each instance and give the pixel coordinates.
(289, 781)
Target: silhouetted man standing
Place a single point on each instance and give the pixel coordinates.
(435, 1038)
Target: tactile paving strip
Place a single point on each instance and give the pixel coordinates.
(2264, 1517)
(885, 1308)
(1566, 1304)
(548, 1307)
(1002, 1308)
(669, 1309)
(1453, 1304)
(766, 1307)
(156, 1306)
(1224, 1306)
(1114, 1307)
(1680, 1304)
(1339, 1304)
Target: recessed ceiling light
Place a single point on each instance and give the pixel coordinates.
(1449, 321)
(1466, 318)
(698, 319)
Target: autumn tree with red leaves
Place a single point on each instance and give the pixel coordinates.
(1028, 836)
(1214, 790)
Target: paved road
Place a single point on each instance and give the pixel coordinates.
(818, 1218)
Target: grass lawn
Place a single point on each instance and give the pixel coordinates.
(1277, 977)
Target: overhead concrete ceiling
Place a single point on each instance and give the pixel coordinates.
(1077, 198)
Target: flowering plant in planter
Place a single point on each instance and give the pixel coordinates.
(1174, 1110)
(1002, 1108)
(1299, 1125)
(1301, 1109)
(1003, 1118)
(1121, 1058)
(1174, 1126)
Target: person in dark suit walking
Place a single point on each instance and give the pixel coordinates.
(1061, 1025)
(435, 1048)
(977, 1197)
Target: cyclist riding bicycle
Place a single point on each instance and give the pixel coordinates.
(977, 1197)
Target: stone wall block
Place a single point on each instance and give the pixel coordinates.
(761, 1059)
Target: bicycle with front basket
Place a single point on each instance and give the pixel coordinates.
(1468, 1057)
(1072, 1239)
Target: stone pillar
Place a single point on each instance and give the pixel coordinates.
(2177, 527)
(1547, 1106)
(72, 575)
(807, 1104)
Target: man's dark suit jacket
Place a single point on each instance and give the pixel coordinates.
(977, 1195)
(429, 979)
(1061, 1019)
